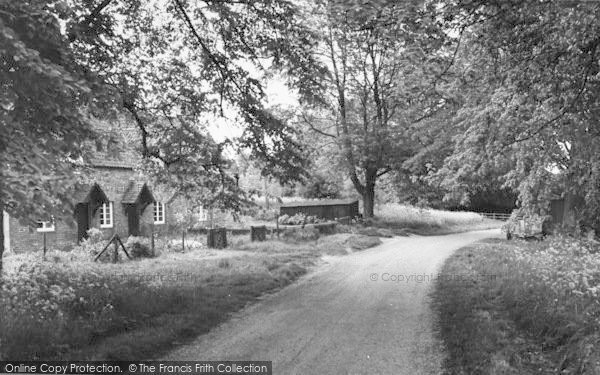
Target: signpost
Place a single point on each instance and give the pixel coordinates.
(45, 227)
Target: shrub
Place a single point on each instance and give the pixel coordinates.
(90, 247)
(139, 247)
(299, 219)
(45, 306)
(266, 215)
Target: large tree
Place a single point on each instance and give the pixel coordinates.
(383, 61)
(527, 78)
(195, 61)
(44, 98)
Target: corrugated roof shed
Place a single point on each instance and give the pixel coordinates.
(324, 202)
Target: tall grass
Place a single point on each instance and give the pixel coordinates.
(336, 244)
(540, 312)
(69, 307)
(426, 221)
(84, 310)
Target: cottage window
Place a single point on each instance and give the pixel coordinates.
(45, 226)
(159, 213)
(106, 215)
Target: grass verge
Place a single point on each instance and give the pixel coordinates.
(520, 308)
(73, 309)
(403, 219)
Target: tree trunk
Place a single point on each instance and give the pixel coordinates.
(368, 202)
(369, 192)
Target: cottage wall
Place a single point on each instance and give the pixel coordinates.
(24, 238)
(114, 182)
(173, 208)
(110, 159)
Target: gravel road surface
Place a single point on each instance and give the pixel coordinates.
(364, 313)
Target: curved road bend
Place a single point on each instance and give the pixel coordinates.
(359, 314)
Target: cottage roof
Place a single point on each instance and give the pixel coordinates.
(90, 193)
(137, 192)
(324, 202)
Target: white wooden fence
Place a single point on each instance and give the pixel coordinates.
(495, 215)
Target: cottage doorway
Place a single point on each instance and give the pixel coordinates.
(133, 219)
(83, 220)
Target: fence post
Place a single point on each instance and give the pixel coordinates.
(258, 233)
(152, 243)
(116, 255)
(45, 248)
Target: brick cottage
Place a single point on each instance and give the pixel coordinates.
(117, 200)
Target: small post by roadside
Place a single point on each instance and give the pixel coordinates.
(45, 227)
(45, 247)
(277, 225)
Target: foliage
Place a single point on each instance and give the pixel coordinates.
(139, 247)
(47, 299)
(403, 219)
(45, 99)
(382, 67)
(526, 106)
(299, 219)
(171, 66)
(91, 246)
(77, 309)
(266, 215)
(179, 71)
(320, 187)
(527, 296)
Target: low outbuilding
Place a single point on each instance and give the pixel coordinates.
(330, 209)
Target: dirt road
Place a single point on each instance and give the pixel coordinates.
(365, 313)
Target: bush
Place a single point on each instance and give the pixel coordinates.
(266, 215)
(299, 219)
(44, 306)
(90, 247)
(139, 247)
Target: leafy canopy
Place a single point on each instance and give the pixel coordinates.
(170, 65)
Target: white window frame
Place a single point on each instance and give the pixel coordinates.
(47, 226)
(158, 213)
(106, 218)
